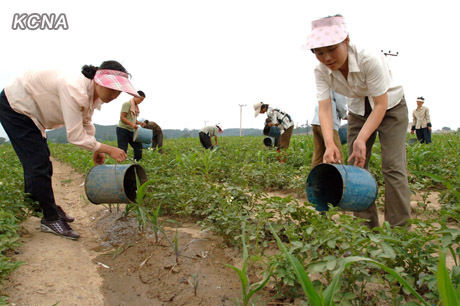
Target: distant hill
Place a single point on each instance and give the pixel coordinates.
(108, 132)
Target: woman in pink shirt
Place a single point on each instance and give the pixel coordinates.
(41, 100)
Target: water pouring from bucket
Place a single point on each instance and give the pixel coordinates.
(114, 183)
(348, 187)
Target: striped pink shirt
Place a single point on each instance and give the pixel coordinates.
(52, 100)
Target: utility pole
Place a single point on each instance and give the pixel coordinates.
(241, 116)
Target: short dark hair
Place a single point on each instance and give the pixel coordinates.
(141, 93)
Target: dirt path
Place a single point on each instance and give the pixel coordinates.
(59, 270)
(114, 264)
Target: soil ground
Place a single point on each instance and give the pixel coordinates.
(113, 263)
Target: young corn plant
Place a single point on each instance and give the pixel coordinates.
(248, 290)
(448, 294)
(153, 218)
(326, 297)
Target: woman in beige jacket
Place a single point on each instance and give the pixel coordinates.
(421, 123)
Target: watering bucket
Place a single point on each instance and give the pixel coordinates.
(113, 183)
(349, 187)
(142, 135)
(274, 132)
(412, 141)
(146, 145)
(269, 141)
(343, 133)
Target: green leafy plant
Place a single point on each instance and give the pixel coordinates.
(248, 290)
(320, 298)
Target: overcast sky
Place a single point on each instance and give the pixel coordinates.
(196, 60)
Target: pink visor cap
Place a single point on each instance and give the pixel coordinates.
(116, 80)
(327, 32)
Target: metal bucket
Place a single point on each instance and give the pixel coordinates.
(269, 141)
(142, 135)
(349, 187)
(113, 183)
(146, 145)
(275, 132)
(343, 133)
(412, 141)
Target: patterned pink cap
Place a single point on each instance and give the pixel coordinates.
(327, 31)
(116, 80)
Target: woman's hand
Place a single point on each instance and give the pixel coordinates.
(359, 153)
(98, 158)
(332, 155)
(118, 154)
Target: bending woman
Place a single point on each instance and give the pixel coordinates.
(41, 100)
(377, 104)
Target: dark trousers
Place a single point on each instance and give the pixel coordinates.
(157, 140)
(205, 140)
(125, 137)
(34, 155)
(423, 135)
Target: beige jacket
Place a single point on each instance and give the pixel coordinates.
(421, 118)
(53, 100)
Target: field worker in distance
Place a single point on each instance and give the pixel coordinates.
(40, 100)
(271, 131)
(206, 133)
(128, 124)
(421, 123)
(375, 104)
(279, 119)
(339, 111)
(157, 136)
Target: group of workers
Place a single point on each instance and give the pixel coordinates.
(42, 100)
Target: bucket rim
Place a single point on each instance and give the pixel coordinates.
(126, 168)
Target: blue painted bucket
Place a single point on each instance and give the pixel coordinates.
(274, 132)
(343, 133)
(143, 135)
(113, 183)
(348, 187)
(146, 145)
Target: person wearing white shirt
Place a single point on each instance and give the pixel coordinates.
(376, 105)
(278, 118)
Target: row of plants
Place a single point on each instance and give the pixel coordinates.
(13, 210)
(227, 188)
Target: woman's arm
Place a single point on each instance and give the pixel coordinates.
(369, 127)
(125, 120)
(99, 156)
(332, 153)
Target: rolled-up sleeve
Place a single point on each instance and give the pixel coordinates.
(322, 84)
(79, 131)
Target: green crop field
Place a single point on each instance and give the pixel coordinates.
(242, 193)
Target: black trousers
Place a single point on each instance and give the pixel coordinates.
(34, 155)
(423, 135)
(125, 137)
(205, 140)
